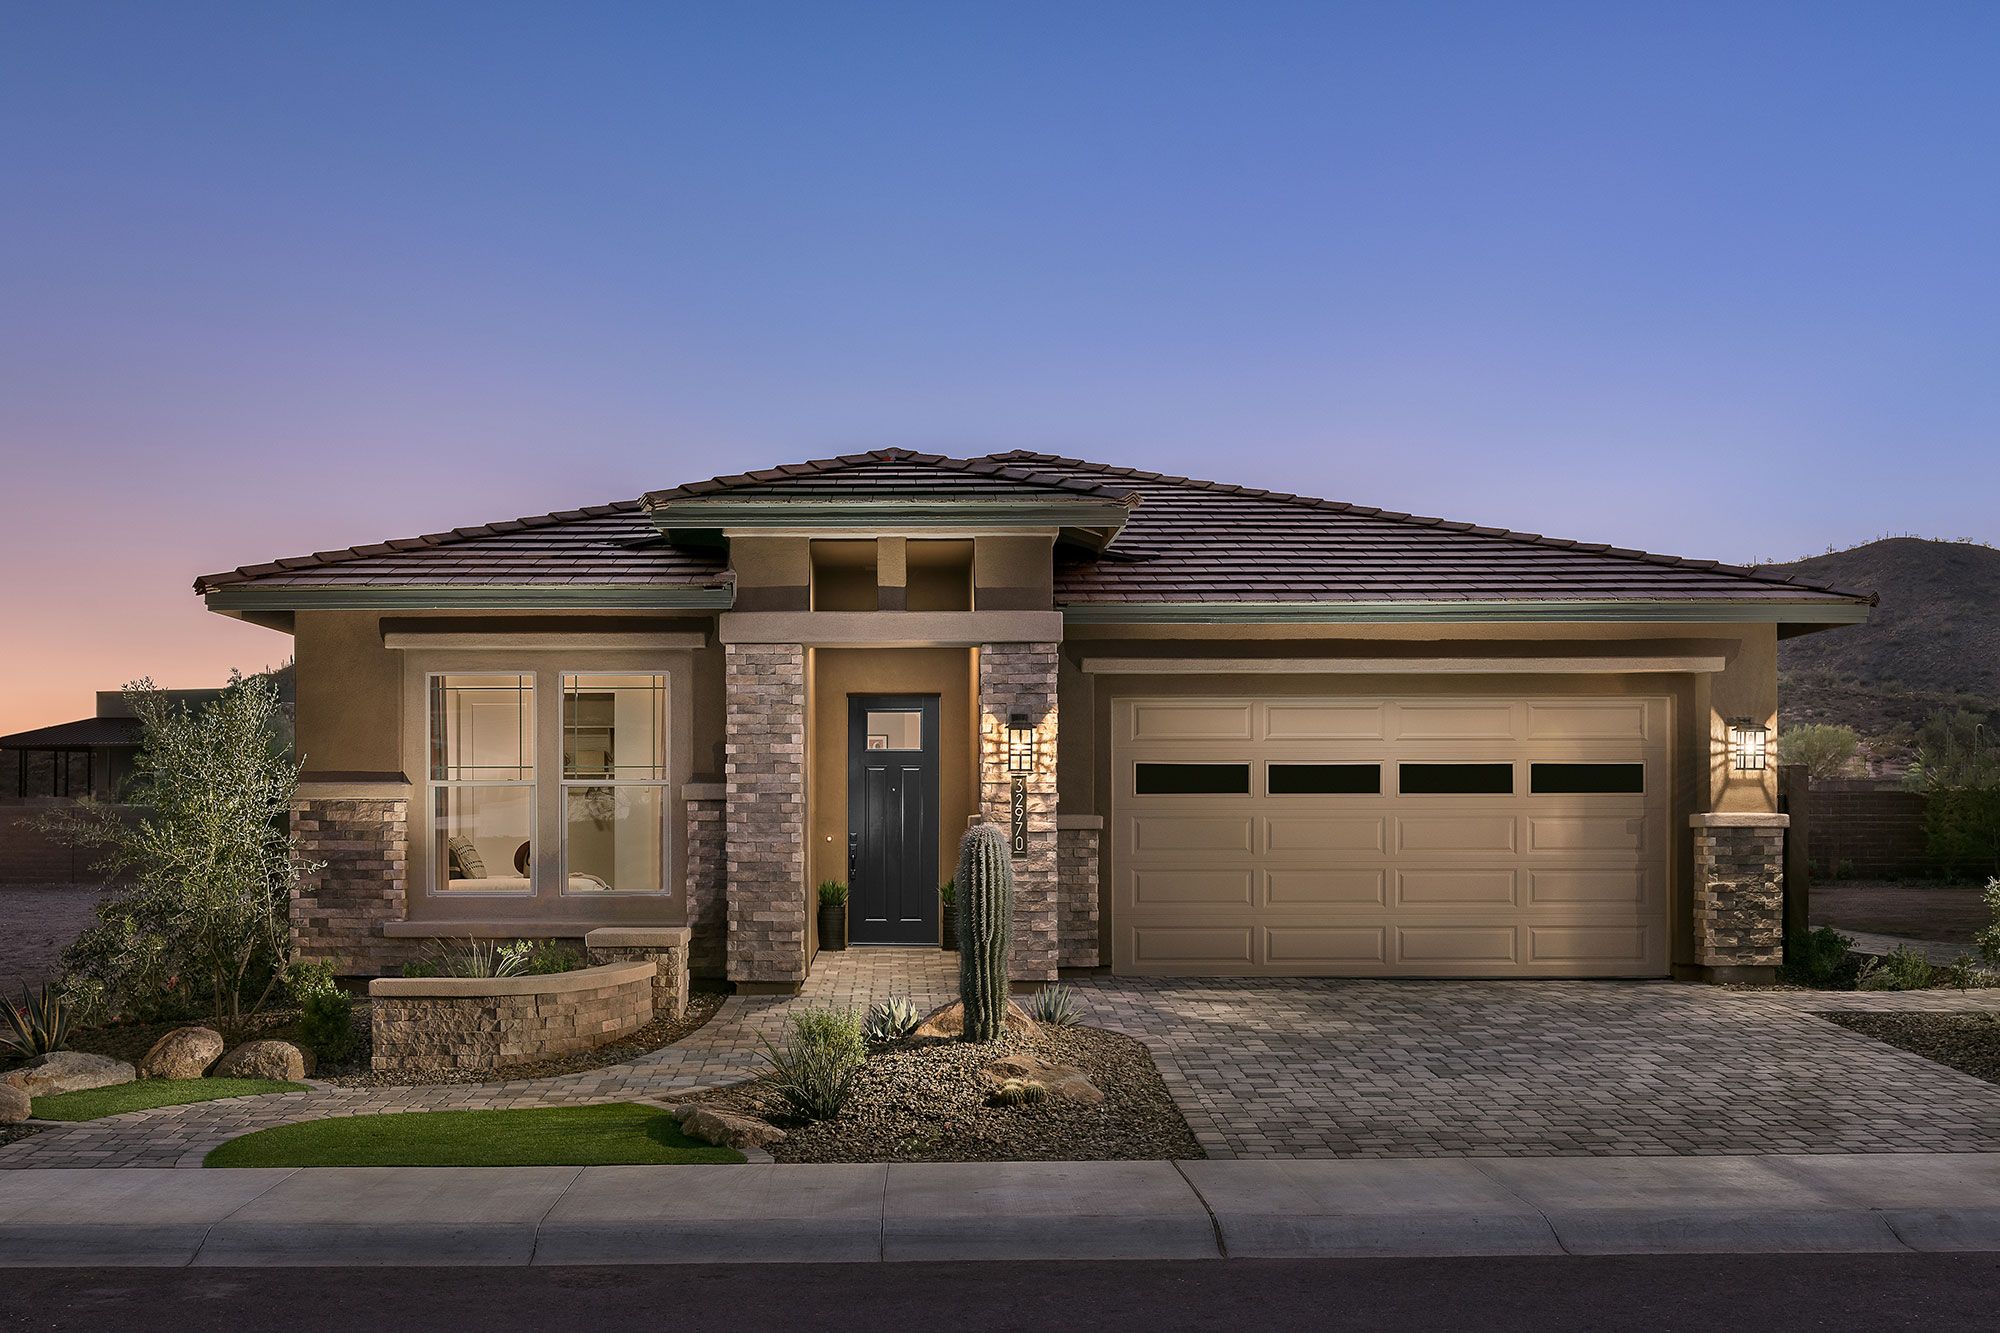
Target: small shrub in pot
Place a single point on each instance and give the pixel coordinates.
(833, 915)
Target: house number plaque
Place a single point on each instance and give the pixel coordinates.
(1017, 812)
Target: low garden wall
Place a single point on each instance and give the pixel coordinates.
(483, 1023)
(1864, 828)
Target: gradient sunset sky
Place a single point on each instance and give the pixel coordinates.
(1721, 280)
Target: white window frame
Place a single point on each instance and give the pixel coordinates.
(440, 866)
(663, 783)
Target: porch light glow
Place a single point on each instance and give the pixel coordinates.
(1749, 743)
(1020, 744)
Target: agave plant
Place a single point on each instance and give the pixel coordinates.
(1055, 1006)
(39, 1024)
(891, 1020)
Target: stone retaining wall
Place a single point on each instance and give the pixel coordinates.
(484, 1023)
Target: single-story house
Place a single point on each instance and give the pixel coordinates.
(89, 759)
(1229, 731)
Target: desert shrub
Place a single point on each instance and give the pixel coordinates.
(1958, 768)
(1903, 969)
(1826, 751)
(326, 1013)
(815, 1067)
(211, 864)
(890, 1020)
(1054, 1005)
(38, 1025)
(1818, 958)
(550, 959)
(1989, 938)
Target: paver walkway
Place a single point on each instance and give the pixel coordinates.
(1281, 1069)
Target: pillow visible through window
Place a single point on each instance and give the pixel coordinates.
(466, 863)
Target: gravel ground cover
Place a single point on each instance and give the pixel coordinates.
(921, 1102)
(1969, 1043)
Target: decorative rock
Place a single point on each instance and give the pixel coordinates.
(725, 1129)
(68, 1071)
(278, 1060)
(1064, 1081)
(948, 1021)
(15, 1105)
(182, 1053)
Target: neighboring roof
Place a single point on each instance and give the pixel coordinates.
(1183, 543)
(80, 734)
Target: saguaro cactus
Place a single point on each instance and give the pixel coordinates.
(985, 929)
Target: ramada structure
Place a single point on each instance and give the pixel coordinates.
(1230, 732)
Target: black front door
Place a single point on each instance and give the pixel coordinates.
(892, 818)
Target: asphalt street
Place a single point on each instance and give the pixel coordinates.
(1935, 1292)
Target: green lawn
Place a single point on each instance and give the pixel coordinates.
(147, 1093)
(617, 1134)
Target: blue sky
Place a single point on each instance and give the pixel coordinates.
(1714, 279)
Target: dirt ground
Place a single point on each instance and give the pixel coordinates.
(1949, 913)
(37, 922)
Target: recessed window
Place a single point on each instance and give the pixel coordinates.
(482, 780)
(1192, 779)
(1323, 779)
(1586, 779)
(1456, 779)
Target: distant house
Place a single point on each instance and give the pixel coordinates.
(88, 759)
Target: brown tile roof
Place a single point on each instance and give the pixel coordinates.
(1184, 541)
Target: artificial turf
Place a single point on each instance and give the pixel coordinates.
(147, 1093)
(621, 1133)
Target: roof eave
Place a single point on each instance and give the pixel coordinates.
(1825, 612)
(684, 516)
(447, 597)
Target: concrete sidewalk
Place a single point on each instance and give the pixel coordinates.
(1001, 1211)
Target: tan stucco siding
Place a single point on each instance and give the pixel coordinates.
(1013, 573)
(350, 694)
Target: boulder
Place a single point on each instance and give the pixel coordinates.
(182, 1053)
(726, 1129)
(278, 1060)
(68, 1071)
(15, 1105)
(1065, 1082)
(948, 1021)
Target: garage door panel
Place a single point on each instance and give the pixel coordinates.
(1190, 722)
(1325, 721)
(1607, 719)
(1434, 888)
(1335, 876)
(1318, 947)
(1456, 944)
(1222, 946)
(1456, 832)
(1303, 833)
(1609, 884)
(1587, 833)
(1610, 946)
(1192, 833)
(1326, 884)
(1193, 887)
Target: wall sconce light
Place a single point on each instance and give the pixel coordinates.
(1020, 744)
(1749, 744)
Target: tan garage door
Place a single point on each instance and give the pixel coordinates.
(1390, 836)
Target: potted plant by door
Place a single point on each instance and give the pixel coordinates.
(833, 915)
(948, 916)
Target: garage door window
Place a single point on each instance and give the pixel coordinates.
(1323, 780)
(1456, 779)
(1586, 779)
(1192, 780)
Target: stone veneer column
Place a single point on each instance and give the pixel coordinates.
(1021, 678)
(705, 879)
(1739, 892)
(1077, 841)
(337, 910)
(766, 818)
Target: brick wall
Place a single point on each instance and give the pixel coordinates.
(1076, 873)
(765, 780)
(444, 1023)
(707, 886)
(1021, 678)
(1739, 892)
(336, 910)
(1868, 829)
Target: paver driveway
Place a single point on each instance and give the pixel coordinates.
(1315, 1069)
(1536, 1068)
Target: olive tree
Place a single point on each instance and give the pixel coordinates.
(209, 862)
